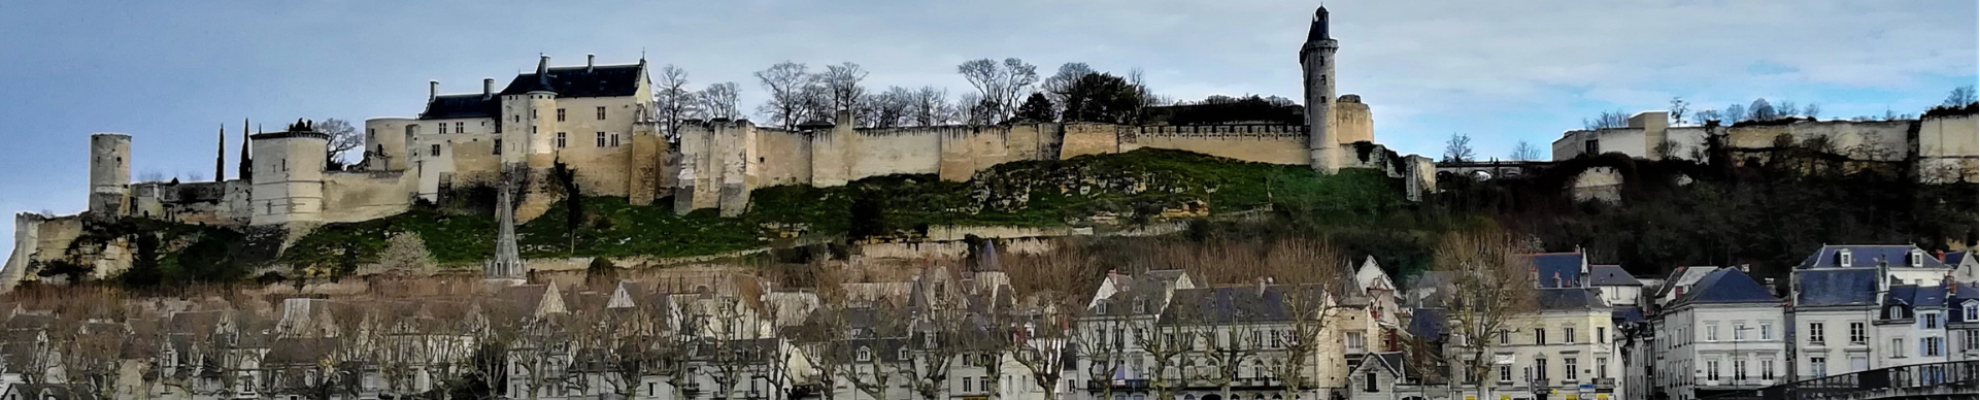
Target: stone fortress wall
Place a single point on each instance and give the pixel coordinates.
(1945, 146)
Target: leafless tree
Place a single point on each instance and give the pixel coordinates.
(842, 83)
(787, 83)
(887, 109)
(718, 101)
(343, 139)
(1735, 113)
(1458, 148)
(1960, 96)
(1606, 120)
(1051, 292)
(1706, 115)
(929, 106)
(1812, 111)
(1525, 151)
(941, 337)
(1056, 86)
(999, 86)
(672, 101)
(1488, 284)
(1678, 109)
(1314, 284)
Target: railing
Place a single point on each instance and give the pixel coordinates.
(1881, 382)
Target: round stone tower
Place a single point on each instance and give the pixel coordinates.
(109, 172)
(288, 175)
(1316, 59)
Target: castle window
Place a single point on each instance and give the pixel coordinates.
(435, 149)
(615, 140)
(412, 130)
(601, 112)
(560, 115)
(440, 127)
(371, 134)
(601, 139)
(498, 147)
(460, 127)
(560, 140)
(1591, 147)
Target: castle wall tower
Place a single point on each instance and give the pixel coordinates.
(1316, 59)
(288, 176)
(385, 141)
(109, 172)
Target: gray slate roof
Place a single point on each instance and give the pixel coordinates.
(1836, 287)
(1570, 299)
(1865, 256)
(599, 81)
(1610, 275)
(1565, 265)
(1727, 285)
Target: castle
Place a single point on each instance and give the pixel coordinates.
(598, 120)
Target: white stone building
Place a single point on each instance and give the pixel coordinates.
(1726, 333)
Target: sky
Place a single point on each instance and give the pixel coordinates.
(172, 73)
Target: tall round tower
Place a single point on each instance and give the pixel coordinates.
(1316, 59)
(109, 172)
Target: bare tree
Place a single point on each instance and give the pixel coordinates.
(1960, 96)
(929, 106)
(1458, 148)
(787, 82)
(1735, 113)
(1052, 292)
(1786, 109)
(718, 101)
(999, 86)
(672, 102)
(888, 109)
(972, 109)
(1488, 283)
(1525, 151)
(1812, 111)
(1678, 109)
(1606, 120)
(343, 139)
(842, 84)
(1706, 115)
(1314, 283)
(1056, 86)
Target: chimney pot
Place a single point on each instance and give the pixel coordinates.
(432, 90)
(589, 61)
(487, 87)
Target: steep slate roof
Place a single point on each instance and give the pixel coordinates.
(1427, 323)
(1866, 256)
(1962, 292)
(1570, 299)
(1727, 285)
(1565, 265)
(1630, 314)
(568, 82)
(1953, 258)
(1836, 287)
(1684, 276)
(462, 106)
(1610, 275)
(1392, 361)
(1148, 288)
(1228, 304)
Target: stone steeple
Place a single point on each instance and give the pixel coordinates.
(507, 265)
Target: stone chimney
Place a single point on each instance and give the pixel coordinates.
(432, 90)
(590, 60)
(487, 88)
(1770, 286)
(1744, 269)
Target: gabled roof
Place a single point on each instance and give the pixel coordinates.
(1962, 292)
(1953, 258)
(1867, 256)
(1570, 299)
(1390, 361)
(1610, 275)
(1727, 285)
(1835, 287)
(462, 106)
(1230, 304)
(568, 82)
(1567, 266)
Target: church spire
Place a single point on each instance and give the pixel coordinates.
(507, 265)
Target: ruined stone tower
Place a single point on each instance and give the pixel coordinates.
(109, 172)
(1316, 59)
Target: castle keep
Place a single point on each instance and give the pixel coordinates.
(599, 121)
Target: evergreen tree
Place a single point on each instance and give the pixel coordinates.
(1036, 108)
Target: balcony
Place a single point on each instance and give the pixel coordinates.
(1130, 385)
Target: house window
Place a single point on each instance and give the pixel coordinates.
(1505, 372)
(615, 139)
(601, 112)
(1766, 331)
(1100, 307)
(1711, 331)
(1972, 310)
(460, 127)
(1540, 336)
(1917, 259)
(1815, 332)
(1739, 369)
(1857, 334)
(562, 139)
(1712, 370)
(1843, 258)
(1896, 312)
(1567, 335)
(1739, 332)
(902, 353)
(560, 115)
(1355, 341)
(1972, 339)
(435, 149)
(1602, 334)
(864, 354)
(1931, 320)
(966, 383)
(1368, 383)
(1933, 346)
(1505, 337)
(498, 147)
(1601, 368)
(1569, 370)
(601, 139)
(1767, 369)
(1540, 368)
(1818, 366)
(1897, 348)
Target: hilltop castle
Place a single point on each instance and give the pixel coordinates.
(598, 120)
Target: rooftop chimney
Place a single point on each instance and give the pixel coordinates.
(1770, 286)
(589, 61)
(487, 88)
(432, 90)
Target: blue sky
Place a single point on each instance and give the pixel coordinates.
(171, 73)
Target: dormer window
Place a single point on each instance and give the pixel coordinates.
(1140, 306)
(902, 354)
(1897, 312)
(1972, 309)
(863, 354)
(1917, 258)
(1843, 258)
(1100, 307)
